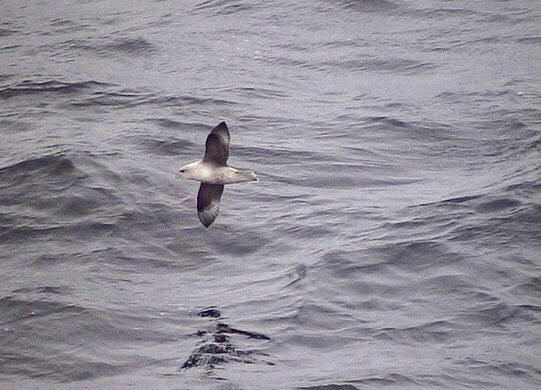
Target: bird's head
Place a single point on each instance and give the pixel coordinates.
(187, 172)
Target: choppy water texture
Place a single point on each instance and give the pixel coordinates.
(394, 238)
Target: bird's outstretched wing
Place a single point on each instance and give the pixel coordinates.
(208, 202)
(217, 145)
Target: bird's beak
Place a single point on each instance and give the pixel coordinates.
(177, 175)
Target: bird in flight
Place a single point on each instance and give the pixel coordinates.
(213, 173)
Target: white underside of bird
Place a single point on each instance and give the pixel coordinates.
(214, 174)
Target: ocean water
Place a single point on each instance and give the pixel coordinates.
(392, 242)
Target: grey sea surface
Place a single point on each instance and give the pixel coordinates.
(392, 242)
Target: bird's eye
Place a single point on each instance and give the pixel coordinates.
(182, 170)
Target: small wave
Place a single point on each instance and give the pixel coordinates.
(36, 232)
(437, 332)
(12, 126)
(222, 7)
(389, 65)
(9, 48)
(129, 46)
(496, 205)
(125, 46)
(124, 98)
(261, 93)
(332, 386)
(168, 147)
(27, 87)
(369, 5)
(166, 123)
(530, 40)
(5, 32)
(128, 98)
(42, 167)
(64, 26)
(15, 309)
(495, 313)
(530, 288)
(282, 156)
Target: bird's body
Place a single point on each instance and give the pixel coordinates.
(206, 172)
(213, 172)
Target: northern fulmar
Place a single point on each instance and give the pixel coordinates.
(213, 172)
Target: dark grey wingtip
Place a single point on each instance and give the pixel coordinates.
(208, 202)
(220, 125)
(205, 219)
(205, 223)
(217, 145)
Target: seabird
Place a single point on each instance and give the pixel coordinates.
(213, 172)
